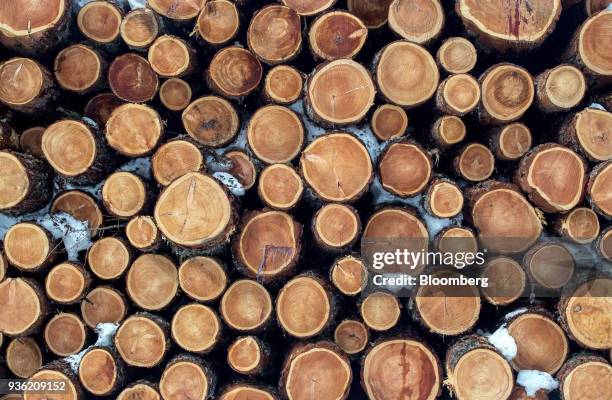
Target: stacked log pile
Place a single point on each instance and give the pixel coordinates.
(186, 186)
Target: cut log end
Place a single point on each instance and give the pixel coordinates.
(308, 8)
(141, 341)
(507, 91)
(597, 189)
(329, 183)
(14, 180)
(211, 120)
(124, 194)
(139, 28)
(152, 281)
(100, 108)
(373, 13)
(142, 233)
(447, 131)
(132, 79)
(81, 206)
(444, 198)
(456, 239)
(239, 314)
(283, 85)
(499, 228)
(134, 130)
(280, 187)
(588, 132)
(66, 283)
(585, 314)
(352, 336)
(108, 258)
(389, 122)
(417, 21)
(275, 134)
(475, 162)
(219, 22)
(405, 169)
(99, 372)
(592, 53)
(541, 343)
(386, 368)
(336, 226)
(100, 21)
(380, 311)
(30, 141)
(243, 390)
(502, 26)
(24, 21)
(303, 307)
(141, 390)
(170, 56)
(186, 377)
(604, 244)
(457, 55)
(448, 310)
(585, 376)
(69, 134)
(560, 88)
(202, 278)
(339, 93)
(23, 357)
(177, 10)
(234, 72)
(103, 304)
(349, 275)
(22, 307)
(506, 281)
(337, 34)
(245, 355)
(322, 363)
(28, 246)
(72, 390)
(22, 81)
(406, 91)
(581, 225)
(196, 328)
(458, 94)
(275, 34)
(204, 221)
(78, 68)
(511, 141)
(175, 159)
(243, 168)
(65, 334)
(175, 94)
(553, 176)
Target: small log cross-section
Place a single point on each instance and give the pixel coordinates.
(211, 120)
(175, 94)
(187, 377)
(373, 13)
(280, 187)
(389, 122)
(234, 72)
(352, 336)
(26, 86)
(549, 265)
(380, 311)
(202, 278)
(56, 372)
(600, 180)
(142, 340)
(406, 90)
(218, 23)
(275, 34)
(179, 11)
(205, 221)
(275, 134)
(336, 227)
(23, 357)
(196, 328)
(589, 132)
(23, 307)
(585, 376)
(559, 88)
(458, 94)
(132, 79)
(100, 22)
(248, 355)
(553, 176)
(349, 275)
(319, 368)
(124, 194)
(396, 366)
(81, 206)
(103, 304)
(79, 68)
(283, 85)
(503, 26)
(505, 220)
(475, 162)
(507, 91)
(304, 306)
(24, 183)
(309, 7)
(510, 142)
(337, 167)
(419, 21)
(29, 247)
(268, 245)
(604, 244)
(142, 233)
(339, 93)
(174, 159)
(506, 281)
(457, 55)
(140, 390)
(447, 131)
(65, 334)
(152, 281)
(337, 34)
(139, 28)
(444, 198)
(580, 225)
(405, 168)
(244, 169)
(171, 56)
(101, 372)
(134, 130)
(246, 306)
(66, 283)
(108, 258)
(472, 361)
